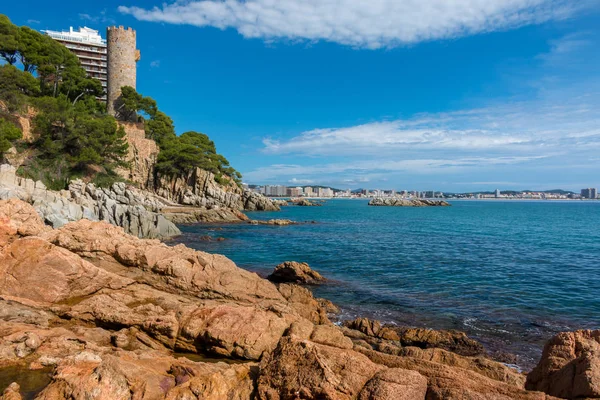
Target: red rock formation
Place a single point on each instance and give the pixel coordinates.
(108, 313)
(570, 366)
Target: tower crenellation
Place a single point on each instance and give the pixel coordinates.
(122, 57)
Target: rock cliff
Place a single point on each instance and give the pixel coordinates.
(107, 315)
(198, 188)
(134, 210)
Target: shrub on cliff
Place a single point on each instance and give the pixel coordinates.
(178, 154)
(8, 134)
(16, 87)
(73, 141)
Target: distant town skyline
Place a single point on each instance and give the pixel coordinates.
(324, 191)
(479, 95)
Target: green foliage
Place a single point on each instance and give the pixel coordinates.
(16, 86)
(106, 179)
(8, 134)
(75, 136)
(8, 40)
(78, 136)
(180, 155)
(130, 103)
(54, 173)
(57, 68)
(160, 128)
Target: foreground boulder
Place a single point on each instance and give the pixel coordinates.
(17, 219)
(570, 366)
(306, 370)
(295, 272)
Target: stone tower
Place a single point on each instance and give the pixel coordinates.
(122, 57)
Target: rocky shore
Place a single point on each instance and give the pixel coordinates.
(148, 205)
(399, 202)
(106, 315)
(141, 212)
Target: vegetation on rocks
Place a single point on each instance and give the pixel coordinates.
(178, 154)
(73, 136)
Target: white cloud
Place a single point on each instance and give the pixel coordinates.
(497, 144)
(508, 129)
(368, 24)
(155, 64)
(96, 19)
(368, 170)
(296, 181)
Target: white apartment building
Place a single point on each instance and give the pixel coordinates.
(88, 46)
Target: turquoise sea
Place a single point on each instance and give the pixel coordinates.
(509, 273)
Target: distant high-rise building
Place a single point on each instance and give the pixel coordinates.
(589, 193)
(89, 47)
(294, 192)
(112, 61)
(309, 192)
(497, 193)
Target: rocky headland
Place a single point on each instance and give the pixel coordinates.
(106, 315)
(148, 205)
(399, 202)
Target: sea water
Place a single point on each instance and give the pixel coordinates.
(509, 273)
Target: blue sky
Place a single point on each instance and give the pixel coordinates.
(453, 95)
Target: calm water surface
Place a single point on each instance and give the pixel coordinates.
(510, 273)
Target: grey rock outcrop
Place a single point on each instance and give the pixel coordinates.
(399, 202)
(199, 189)
(134, 210)
(252, 201)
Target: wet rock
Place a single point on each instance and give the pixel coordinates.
(569, 367)
(295, 272)
(12, 392)
(454, 341)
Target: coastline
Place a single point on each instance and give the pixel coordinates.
(133, 309)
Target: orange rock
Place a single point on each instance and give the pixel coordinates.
(397, 384)
(299, 369)
(569, 367)
(18, 218)
(34, 269)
